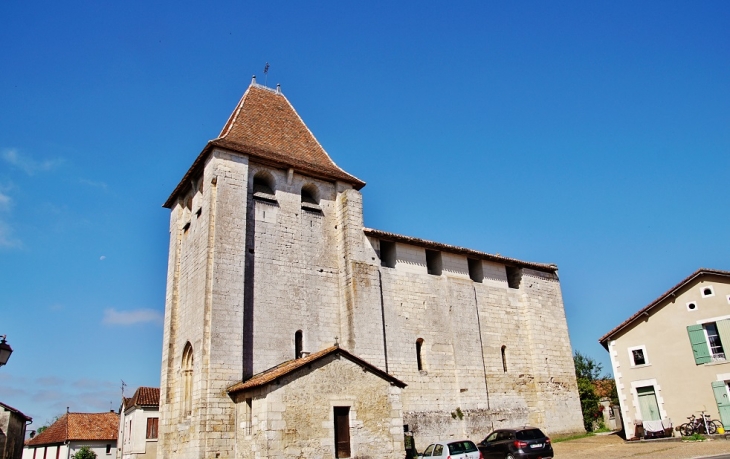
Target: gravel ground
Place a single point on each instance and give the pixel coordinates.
(613, 447)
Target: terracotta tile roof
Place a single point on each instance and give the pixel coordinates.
(266, 126)
(671, 292)
(290, 366)
(79, 426)
(16, 411)
(460, 250)
(144, 396)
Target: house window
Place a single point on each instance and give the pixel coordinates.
(108, 449)
(342, 431)
(419, 356)
(387, 254)
(707, 341)
(638, 356)
(714, 342)
(433, 262)
(514, 276)
(504, 358)
(476, 271)
(707, 291)
(152, 424)
(298, 345)
(691, 306)
(187, 379)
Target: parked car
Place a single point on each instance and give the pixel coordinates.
(461, 449)
(522, 443)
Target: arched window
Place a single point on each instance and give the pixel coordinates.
(310, 198)
(504, 358)
(419, 356)
(263, 186)
(298, 348)
(187, 379)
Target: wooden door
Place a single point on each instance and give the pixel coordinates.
(342, 431)
(723, 404)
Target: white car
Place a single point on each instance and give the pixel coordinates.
(459, 449)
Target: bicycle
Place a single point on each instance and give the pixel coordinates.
(701, 425)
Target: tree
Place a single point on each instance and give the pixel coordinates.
(48, 424)
(587, 370)
(84, 453)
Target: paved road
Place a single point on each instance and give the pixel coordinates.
(613, 447)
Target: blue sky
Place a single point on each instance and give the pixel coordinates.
(594, 136)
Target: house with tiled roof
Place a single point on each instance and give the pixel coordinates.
(138, 423)
(271, 265)
(71, 432)
(13, 425)
(670, 358)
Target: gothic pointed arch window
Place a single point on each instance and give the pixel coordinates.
(187, 379)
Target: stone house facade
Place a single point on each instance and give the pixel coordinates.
(670, 358)
(13, 424)
(270, 261)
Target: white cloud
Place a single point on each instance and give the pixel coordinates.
(136, 316)
(5, 201)
(27, 164)
(93, 183)
(102, 258)
(6, 237)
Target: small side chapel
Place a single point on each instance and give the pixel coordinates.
(292, 330)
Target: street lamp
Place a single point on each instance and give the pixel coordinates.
(5, 351)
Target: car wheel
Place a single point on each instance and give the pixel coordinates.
(509, 456)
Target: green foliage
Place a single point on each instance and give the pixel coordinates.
(457, 414)
(47, 424)
(587, 370)
(84, 453)
(694, 437)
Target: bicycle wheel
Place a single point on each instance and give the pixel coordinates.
(711, 427)
(686, 429)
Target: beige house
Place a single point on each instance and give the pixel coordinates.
(669, 359)
(138, 424)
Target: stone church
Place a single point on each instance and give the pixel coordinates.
(292, 330)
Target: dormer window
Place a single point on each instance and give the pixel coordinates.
(310, 199)
(263, 187)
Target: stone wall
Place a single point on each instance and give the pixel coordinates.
(294, 417)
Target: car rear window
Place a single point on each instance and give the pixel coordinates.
(460, 447)
(529, 434)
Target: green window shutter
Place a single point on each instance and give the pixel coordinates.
(723, 329)
(723, 404)
(699, 344)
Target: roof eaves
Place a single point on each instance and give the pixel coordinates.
(657, 302)
(545, 267)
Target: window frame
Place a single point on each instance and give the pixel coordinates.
(632, 361)
(708, 295)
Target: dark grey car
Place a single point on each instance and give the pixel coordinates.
(521, 443)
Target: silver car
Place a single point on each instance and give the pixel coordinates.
(460, 449)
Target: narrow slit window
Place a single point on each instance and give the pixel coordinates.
(387, 254)
(504, 358)
(298, 347)
(187, 377)
(249, 416)
(433, 262)
(419, 353)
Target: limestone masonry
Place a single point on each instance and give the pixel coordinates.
(270, 262)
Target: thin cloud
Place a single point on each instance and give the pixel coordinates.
(136, 316)
(50, 381)
(27, 164)
(94, 184)
(7, 239)
(5, 201)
